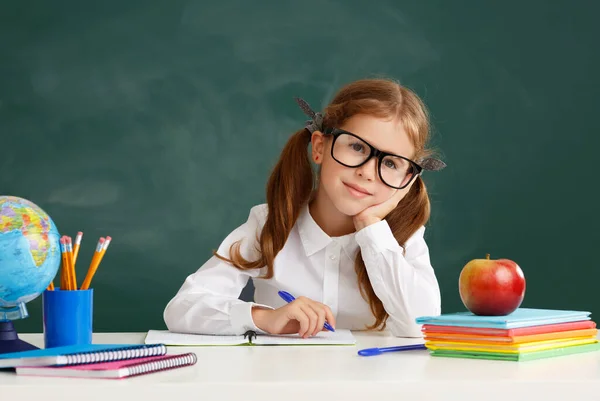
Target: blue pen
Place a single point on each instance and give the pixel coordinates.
(378, 351)
(287, 297)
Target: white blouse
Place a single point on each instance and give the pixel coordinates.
(317, 266)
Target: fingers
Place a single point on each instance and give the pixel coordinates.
(317, 315)
(321, 320)
(303, 320)
(313, 319)
(311, 316)
(329, 316)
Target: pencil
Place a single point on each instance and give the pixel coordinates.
(50, 286)
(63, 270)
(106, 244)
(72, 278)
(98, 253)
(76, 247)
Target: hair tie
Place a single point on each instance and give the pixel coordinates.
(316, 119)
(432, 164)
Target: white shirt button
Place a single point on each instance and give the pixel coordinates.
(332, 257)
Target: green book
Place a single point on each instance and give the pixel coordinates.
(518, 357)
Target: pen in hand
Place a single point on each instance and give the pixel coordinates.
(287, 297)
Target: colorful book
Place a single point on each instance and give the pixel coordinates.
(521, 331)
(517, 357)
(115, 369)
(509, 348)
(522, 317)
(80, 354)
(338, 337)
(470, 338)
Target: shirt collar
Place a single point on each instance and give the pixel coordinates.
(315, 239)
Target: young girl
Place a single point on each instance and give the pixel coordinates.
(347, 245)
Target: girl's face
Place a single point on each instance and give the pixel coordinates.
(352, 190)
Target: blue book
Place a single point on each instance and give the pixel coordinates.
(522, 317)
(80, 354)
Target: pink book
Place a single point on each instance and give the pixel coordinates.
(114, 369)
(428, 329)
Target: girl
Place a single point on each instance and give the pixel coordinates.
(348, 245)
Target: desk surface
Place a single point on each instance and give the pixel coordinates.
(285, 373)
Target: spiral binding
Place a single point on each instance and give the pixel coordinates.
(165, 363)
(115, 355)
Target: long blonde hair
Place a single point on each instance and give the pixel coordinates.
(292, 180)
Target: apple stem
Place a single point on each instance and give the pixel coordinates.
(487, 255)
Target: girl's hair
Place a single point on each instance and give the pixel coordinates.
(291, 183)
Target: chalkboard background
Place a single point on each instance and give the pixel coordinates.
(157, 122)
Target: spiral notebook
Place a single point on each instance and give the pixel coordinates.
(80, 354)
(115, 369)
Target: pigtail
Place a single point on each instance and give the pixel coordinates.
(288, 189)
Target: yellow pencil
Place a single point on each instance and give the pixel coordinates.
(76, 247)
(98, 254)
(64, 267)
(50, 287)
(72, 277)
(106, 244)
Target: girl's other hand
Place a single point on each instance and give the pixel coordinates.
(376, 213)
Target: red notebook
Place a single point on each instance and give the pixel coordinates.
(522, 331)
(115, 369)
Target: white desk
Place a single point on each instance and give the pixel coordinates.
(323, 373)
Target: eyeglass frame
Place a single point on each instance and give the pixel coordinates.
(379, 154)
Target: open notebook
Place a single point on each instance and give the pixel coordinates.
(338, 337)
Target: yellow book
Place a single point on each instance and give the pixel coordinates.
(474, 338)
(508, 348)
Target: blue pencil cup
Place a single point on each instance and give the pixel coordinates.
(68, 317)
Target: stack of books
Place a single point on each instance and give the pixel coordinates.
(102, 361)
(526, 334)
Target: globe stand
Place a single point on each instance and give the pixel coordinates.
(9, 340)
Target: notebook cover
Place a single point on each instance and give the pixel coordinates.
(76, 354)
(530, 356)
(189, 339)
(522, 331)
(508, 348)
(115, 369)
(522, 317)
(469, 338)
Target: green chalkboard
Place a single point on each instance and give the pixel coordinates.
(157, 122)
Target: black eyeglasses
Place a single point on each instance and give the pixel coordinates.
(350, 150)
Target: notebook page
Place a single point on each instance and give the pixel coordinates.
(338, 337)
(168, 338)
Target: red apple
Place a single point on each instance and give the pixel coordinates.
(491, 287)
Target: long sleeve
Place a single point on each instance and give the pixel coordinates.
(405, 284)
(208, 301)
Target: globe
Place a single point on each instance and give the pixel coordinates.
(29, 255)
